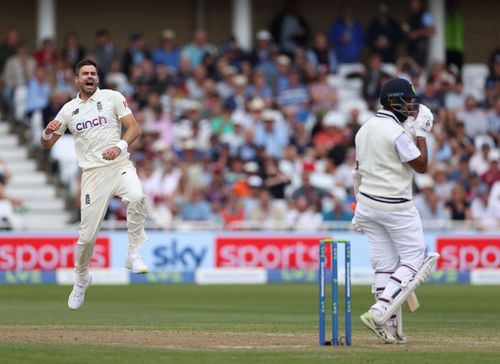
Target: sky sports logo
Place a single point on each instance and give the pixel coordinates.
(87, 124)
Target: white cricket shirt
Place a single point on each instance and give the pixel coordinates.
(95, 125)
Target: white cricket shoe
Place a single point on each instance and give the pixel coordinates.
(135, 263)
(380, 331)
(77, 295)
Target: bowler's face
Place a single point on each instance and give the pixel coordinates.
(87, 79)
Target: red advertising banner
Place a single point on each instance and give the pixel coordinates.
(47, 253)
(268, 252)
(467, 253)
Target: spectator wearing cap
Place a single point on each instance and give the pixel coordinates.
(331, 133)
(492, 174)
(135, 53)
(478, 163)
(271, 134)
(224, 86)
(254, 184)
(167, 52)
(195, 83)
(384, 35)
(196, 50)
(235, 138)
(427, 202)
(259, 87)
(263, 53)
(480, 212)
(346, 34)
(322, 56)
(280, 80)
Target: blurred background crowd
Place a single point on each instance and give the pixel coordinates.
(265, 138)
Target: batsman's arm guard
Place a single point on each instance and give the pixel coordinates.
(408, 288)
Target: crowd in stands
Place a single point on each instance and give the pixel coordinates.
(265, 138)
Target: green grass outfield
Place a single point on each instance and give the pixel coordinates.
(236, 324)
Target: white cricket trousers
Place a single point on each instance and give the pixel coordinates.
(396, 237)
(98, 187)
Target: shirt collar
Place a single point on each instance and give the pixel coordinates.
(388, 114)
(93, 97)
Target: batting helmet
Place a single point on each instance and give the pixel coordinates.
(397, 95)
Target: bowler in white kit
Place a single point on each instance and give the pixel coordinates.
(389, 147)
(95, 119)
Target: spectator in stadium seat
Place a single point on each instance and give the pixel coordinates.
(346, 35)
(427, 202)
(167, 53)
(479, 208)
(384, 35)
(454, 99)
(302, 216)
(195, 51)
(419, 29)
(458, 206)
(290, 29)
(232, 212)
(312, 193)
(373, 79)
(322, 56)
(473, 117)
(263, 54)
(492, 83)
(18, 70)
(47, 55)
(196, 208)
(135, 53)
(72, 50)
(492, 174)
(295, 94)
(274, 180)
(9, 46)
(39, 90)
(323, 96)
(494, 122)
(478, 163)
(271, 134)
(259, 87)
(266, 214)
(105, 52)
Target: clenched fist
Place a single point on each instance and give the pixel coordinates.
(52, 127)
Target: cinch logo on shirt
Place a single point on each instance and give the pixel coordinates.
(83, 125)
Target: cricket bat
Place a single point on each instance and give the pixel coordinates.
(412, 302)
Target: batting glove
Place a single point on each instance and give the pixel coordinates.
(424, 120)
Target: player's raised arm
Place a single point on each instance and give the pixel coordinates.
(49, 137)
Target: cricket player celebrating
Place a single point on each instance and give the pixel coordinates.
(387, 154)
(95, 119)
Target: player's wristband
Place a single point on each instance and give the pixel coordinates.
(46, 136)
(123, 145)
(420, 133)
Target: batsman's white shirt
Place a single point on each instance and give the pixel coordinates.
(95, 125)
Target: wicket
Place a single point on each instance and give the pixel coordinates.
(336, 340)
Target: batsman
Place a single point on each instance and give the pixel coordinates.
(390, 146)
